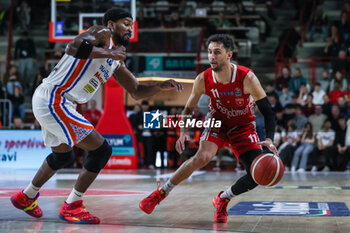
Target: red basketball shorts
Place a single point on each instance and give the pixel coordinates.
(242, 138)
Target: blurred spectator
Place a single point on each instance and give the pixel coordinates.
(222, 21)
(335, 115)
(171, 139)
(36, 125)
(344, 28)
(307, 140)
(339, 153)
(278, 137)
(286, 150)
(17, 123)
(289, 111)
(296, 81)
(286, 96)
(303, 93)
(340, 63)
(318, 94)
(309, 107)
(335, 93)
(319, 23)
(12, 79)
(325, 139)
(237, 10)
(332, 45)
(175, 20)
(25, 54)
(226, 150)
(342, 81)
(317, 119)
(276, 106)
(279, 120)
(38, 80)
(185, 9)
(325, 81)
(159, 21)
(17, 101)
(92, 114)
(2, 91)
(23, 15)
(344, 107)
(326, 106)
(283, 80)
(141, 21)
(299, 119)
(159, 137)
(270, 90)
(346, 9)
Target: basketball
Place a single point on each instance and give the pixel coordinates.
(267, 169)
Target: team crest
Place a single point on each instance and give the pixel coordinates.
(238, 92)
(239, 101)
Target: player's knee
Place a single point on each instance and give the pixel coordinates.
(59, 160)
(97, 159)
(202, 158)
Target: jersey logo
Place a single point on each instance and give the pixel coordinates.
(93, 83)
(239, 101)
(238, 92)
(89, 88)
(98, 76)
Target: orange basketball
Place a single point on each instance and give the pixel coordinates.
(267, 169)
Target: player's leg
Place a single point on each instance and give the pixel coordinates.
(204, 155)
(99, 152)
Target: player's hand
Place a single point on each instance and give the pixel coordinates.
(269, 144)
(118, 53)
(180, 143)
(170, 85)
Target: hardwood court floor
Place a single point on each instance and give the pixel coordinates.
(114, 197)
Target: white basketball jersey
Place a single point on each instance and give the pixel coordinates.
(79, 79)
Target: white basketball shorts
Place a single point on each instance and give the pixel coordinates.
(57, 115)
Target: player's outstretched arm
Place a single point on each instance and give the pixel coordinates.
(252, 86)
(94, 44)
(197, 90)
(138, 91)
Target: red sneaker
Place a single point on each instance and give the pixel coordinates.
(220, 205)
(149, 203)
(75, 213)
(22, 202)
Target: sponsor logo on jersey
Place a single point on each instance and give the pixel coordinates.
(98, 76)
(89, 88)
(239, 101)
(238, 92)
(105, 72)
(232, 112)
(226, 93)
(93, 82)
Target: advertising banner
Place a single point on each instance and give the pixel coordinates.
(22, 149)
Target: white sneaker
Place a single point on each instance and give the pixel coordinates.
(293, 169)
(286, 168)
(301, 170)
(216, 169)
(314, 168)
(326, 169)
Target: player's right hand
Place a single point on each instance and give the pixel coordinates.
(180, 143)
(118, 53)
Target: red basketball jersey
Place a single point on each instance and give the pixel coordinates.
(228, 103)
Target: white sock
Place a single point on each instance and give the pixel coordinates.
(31, 191)
(74, 196)
(167, 187)
(227, 194)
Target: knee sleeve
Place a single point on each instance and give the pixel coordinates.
(97, 159)
(59, 160)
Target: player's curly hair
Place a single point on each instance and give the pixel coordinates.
(114, 14)
(224, 39)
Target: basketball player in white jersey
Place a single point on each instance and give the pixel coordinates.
(91, 59)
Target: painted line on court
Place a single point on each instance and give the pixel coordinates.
(168, 175)
(64, 192)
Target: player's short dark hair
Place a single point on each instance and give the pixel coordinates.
(114, 14)
(224, 39)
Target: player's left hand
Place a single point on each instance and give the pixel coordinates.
(170, 85)
(269, 144)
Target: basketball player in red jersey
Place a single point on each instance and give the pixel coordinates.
(232, 90)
